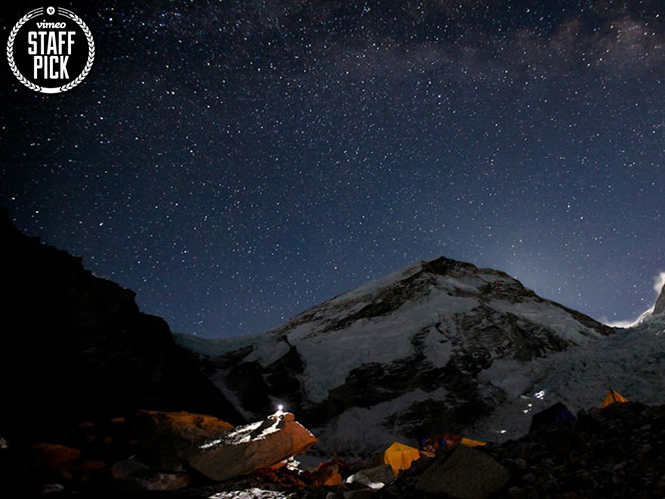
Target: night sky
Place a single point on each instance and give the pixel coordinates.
(235, 162)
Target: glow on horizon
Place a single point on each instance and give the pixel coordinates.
(659, 282)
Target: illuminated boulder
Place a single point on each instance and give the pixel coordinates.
(252, 447)
(167, 438)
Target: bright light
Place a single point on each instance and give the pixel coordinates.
(280, 407)
(540, 395)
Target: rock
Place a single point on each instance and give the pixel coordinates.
(328, 476)
(128, 468)
(90, 465)
(91, 354)
(659, 307)
(167, 438)
(251, 447)
(360, 494)
(131, 474)
(50, 488)
(91, 472)
(248, 493)
(167, 481)
(288, 477)
(58, 458)
(466, 474)
(373, 478)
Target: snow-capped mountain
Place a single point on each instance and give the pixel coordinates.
(441, 346)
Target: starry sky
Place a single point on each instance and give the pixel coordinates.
(235, 162)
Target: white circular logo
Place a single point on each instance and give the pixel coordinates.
(50, 50)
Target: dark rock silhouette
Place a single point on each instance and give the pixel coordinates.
(77, 348)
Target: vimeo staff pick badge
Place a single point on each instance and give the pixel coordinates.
(50, 50)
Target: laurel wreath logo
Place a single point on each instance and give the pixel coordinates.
(68, 86)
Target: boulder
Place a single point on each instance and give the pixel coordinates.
(374, 478)
(328, 476)
(167, 438)
(467, 474)
(55, 457)
(40, 464)
(251, 447)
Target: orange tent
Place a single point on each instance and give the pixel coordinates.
(471, 443)
(400, 456)
(611, 398)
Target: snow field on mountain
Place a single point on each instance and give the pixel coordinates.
(330, 357)
(371, 288)
(550, 316)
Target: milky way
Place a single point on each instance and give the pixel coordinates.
(235, 162)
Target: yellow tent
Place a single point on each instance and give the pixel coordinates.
(400, 456)
(471, 443)
(611, 398)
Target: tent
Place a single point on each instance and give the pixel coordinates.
(611, 398)
(558, 413)
(432, 444)
(448, 440)
(471, 443)
(400, 456)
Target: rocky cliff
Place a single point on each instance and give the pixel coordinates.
(76, 347)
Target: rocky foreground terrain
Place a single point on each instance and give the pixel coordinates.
(615, 452)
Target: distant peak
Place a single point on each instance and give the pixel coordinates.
(659, 307)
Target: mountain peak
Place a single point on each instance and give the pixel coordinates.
(431, 347)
